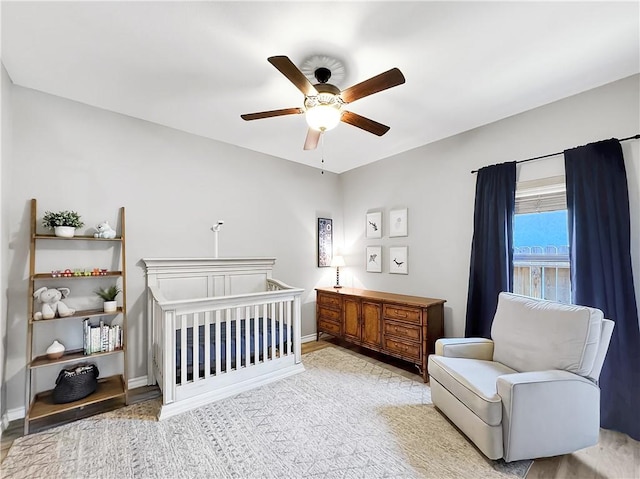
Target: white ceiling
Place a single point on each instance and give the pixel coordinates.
(196, 66)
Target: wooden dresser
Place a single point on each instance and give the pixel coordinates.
(402, 326)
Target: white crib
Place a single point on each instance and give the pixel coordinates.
(217, 327)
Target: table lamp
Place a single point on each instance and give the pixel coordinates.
(336, 262)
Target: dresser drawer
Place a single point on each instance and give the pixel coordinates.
(403, 313)
(329, 327)
(329, 300)
(405, 349)
(402, 330)
(329, 314)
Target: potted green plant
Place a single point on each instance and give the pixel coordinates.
(63, 223)
(109, 296)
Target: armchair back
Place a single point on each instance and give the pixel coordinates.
(536, 335)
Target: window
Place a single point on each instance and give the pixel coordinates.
(541, 241)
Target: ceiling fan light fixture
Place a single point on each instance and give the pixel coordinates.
(323, 111)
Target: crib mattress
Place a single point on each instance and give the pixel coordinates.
(222, 343)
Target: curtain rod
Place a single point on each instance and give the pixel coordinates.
(635, 137)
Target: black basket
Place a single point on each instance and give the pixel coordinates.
(75, 383)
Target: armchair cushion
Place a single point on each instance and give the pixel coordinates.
(473, 382)
(535, 335)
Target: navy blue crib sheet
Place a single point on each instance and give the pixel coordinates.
(222, 344)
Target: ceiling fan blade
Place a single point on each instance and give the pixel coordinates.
(269, 114)
(295, 76)
(388, 79)
(364, 123)
(311, 142)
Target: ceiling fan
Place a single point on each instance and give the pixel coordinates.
(323, 102)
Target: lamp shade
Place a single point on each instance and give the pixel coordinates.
(337, 262)
(323, 117)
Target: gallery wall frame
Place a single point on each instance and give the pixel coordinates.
(373, 259)
(398, 223)
(398, 260)
(374, 225)
(325, 242)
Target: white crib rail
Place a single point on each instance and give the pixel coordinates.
(276, 321)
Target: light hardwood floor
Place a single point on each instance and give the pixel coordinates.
(616, 456)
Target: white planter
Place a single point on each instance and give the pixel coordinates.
(110, 306)
(64, 231)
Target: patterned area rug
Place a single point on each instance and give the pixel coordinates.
(344, 417)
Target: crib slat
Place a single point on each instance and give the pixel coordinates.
(195, 364)
(207, 344)
(227, 327)
(218, 342)
(183, 349)
(281, 306)
(256, 335)
(247, 336)
(265, 313)
(289, 319)
(238, 322)
(272, 318)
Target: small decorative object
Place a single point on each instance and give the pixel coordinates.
(77, 272)
(109, 296)
(374, 259)
(374, 225)
(105, 231)
(336, 263)
(95, 272)
(398, 260)
(75, 383)
(103, 272)
(398, 223)
(52, 304)
(325, 242)
(56, 350)
(64, 223)
(56, 273)
(67, 273)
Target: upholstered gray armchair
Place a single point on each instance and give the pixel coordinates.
(530, 391)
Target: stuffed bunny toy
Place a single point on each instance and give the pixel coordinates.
(52, 304)
(105, 231)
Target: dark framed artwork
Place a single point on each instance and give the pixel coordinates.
(325, 242)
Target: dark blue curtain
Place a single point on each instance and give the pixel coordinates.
(491, 269)
(601, 276)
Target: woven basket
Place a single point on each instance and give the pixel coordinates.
(75, 383)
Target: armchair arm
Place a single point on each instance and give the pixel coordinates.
(547, 413)
(470, 348)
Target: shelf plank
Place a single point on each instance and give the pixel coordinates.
(48, 276)
(43, 405)
(87, 313)
(77, 237)
(69, 356)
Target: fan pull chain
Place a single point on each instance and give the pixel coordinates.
(322, 152)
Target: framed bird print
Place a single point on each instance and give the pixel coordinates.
(374, 225)
(374, 259)
(398, 260)
(398, 223)
(325, 242)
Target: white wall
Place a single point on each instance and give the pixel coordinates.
(435, 184)
(5, 152)
(173, 185)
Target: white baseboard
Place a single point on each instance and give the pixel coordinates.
(139, 382)
(308, 338)
(13, 414)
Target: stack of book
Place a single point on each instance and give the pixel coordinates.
(100, 338)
